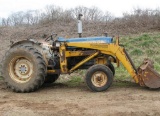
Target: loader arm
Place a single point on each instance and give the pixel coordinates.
(112, 49)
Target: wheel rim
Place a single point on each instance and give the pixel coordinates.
(20, 69)
(99, 79)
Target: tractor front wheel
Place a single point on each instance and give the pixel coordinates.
(99, 78)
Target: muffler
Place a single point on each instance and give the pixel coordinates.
(147, 75)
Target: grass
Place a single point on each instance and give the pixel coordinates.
(136, 51)
(74, 81)
(138, 47)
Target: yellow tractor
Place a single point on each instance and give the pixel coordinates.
(30, 63)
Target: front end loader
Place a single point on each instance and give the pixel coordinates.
(30, 63)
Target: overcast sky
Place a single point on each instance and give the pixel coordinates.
(116, 7)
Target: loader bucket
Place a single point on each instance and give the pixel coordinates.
(147, 75)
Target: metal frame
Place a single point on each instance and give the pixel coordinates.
(113, 49)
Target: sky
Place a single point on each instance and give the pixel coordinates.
(116, 7)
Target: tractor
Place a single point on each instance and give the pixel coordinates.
(28, 64)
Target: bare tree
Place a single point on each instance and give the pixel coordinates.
(16, 18)
(95, 14)
(108, 17)
(89, 14)
(80, 10)
(31, 17)
(53, 12)
(67, 16)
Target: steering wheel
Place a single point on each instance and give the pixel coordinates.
(51, 37)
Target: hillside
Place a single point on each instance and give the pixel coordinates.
(139, 47)
(70, 96)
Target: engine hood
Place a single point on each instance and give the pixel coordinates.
(87, 39)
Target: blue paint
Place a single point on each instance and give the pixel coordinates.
(87, 39)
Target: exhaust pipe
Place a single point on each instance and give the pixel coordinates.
(80, 25)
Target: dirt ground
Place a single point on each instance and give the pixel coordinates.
(62, 100)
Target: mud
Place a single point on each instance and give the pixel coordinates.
(61, 100)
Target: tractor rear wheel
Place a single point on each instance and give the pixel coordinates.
(99, 77)
(23, 69)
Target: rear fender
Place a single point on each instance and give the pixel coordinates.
(113, 59)
(34, 44)
(26, 43)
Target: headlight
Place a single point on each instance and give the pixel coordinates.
(57, 44)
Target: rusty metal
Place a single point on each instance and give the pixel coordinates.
(20, 69)
(101, 60)
(130, 60)
(84, 61)
(57, 71)
(99, 79)
(79, 53)
(147, 75)
(63, 59)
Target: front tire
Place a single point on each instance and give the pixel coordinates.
(23, 69)
(99, 78)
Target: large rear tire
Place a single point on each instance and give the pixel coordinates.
(99, 78)
(23, 69)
